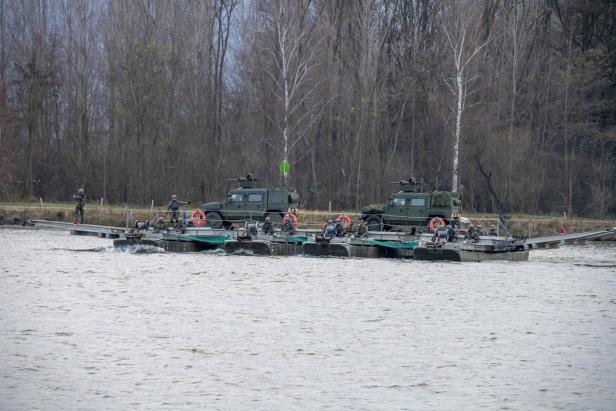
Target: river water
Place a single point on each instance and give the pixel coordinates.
(85, 327)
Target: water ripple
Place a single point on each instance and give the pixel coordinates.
(86, 327)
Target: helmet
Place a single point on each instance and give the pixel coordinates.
(448, 226)
(80, 191)
(174, 197)
(268, 220)
(330, 221)
(493, 227)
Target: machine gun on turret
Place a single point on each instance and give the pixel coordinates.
(246, 182)
(412, 185)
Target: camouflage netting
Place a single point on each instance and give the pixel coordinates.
(441, 199)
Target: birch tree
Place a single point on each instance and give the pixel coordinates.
(463, 38)
(294, 55)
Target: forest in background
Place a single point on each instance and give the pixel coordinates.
(137, 99)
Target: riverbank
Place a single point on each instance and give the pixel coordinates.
(520, 225)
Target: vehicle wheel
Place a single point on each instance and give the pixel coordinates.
(276, 219)
(374, 223)
(213, 220)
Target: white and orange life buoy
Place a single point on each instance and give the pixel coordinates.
(345, 220)
(290, 217)
(198, 217)
(435, 223)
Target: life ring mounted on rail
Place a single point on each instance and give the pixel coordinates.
(197, 217)
(436, 222)
(290, 217)
(345, 220)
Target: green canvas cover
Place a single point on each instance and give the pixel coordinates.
(393, 244)
(209, 239)
(297, 239)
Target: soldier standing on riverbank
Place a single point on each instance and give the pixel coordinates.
(80, 198)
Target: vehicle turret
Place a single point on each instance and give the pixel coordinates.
(408, 186)
(246, 182)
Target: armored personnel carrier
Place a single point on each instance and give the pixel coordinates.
(248, 202)
(412, 207)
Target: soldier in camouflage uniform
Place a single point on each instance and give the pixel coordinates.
(268, 228)
(472, 233)
(80, 198)
(174, 208)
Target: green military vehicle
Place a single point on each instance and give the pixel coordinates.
(248, 202)
(411, 207)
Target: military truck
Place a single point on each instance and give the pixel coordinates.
(411, 207)
(247, 202)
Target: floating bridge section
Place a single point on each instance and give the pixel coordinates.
(572, 238)
(82, 229)
(376, 244)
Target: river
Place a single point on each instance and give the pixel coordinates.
(85, 327)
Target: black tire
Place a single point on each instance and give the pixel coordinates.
(374, 223)
(276, 219)
(213, 220)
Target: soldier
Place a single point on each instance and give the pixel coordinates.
(472, 233)
(160, 224)
(338, 229)
(329, 230)
(493, 231)
(250, 229)
(268, 228)
(80, 198)
(449, 233)
(288, 227)
(440, 235)
(174, 207)
(362, 229)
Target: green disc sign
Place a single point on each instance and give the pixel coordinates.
(284, 167)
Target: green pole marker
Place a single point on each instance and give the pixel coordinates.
(284, 167)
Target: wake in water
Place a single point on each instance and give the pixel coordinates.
(138, 249)
(81, 250)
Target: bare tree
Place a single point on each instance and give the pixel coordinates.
(460, 23)
(294, 54)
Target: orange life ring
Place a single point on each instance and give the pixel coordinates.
(345, 220)
(290, 217)
(433, 223)
(198, 221)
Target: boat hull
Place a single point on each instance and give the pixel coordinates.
(324, 249)
(455, 254)
(255, 247)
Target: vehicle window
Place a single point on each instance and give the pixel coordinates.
(418, 202)
(255, 198)
(397, 202)
(236, 198)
